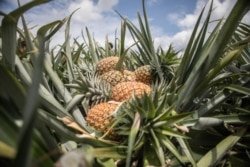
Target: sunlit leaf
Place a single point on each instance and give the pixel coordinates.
(207, 122)
(213, 156)
(132, 136)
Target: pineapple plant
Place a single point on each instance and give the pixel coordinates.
(165, 122)
(149, 124)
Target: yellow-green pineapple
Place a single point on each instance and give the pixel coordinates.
(143, 74)
(129, 75)
(125, 90)
(108, 63)
(113, 77)
(99, 116)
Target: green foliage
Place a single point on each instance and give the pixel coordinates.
(149, 121)
(197, 112)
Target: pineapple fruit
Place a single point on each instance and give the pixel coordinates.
(149, 124)
(125, 90)
(129, 75)
(99, 116)
(113, 77)
(143, 74)
(124, 85)
(108, 70)
(107, 64)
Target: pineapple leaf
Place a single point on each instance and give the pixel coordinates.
(170, 132)
(8, 128)
(170, 120)
(106, 162)
(74, 101)
(186, 59)
(22, 157)
(149, 156)
(214, 155)
(229, 119)
(116, 152)
(187, 150)
(213, 103)
(239, 89)
(132, 136)
(208, 57)
(170, 146)
(8, 28)
(7, 151)
(15, 91)
(198, 71)
(157, 147)
(68, 54)
(165, 114)
(92, 47)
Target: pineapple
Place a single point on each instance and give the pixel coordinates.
(125, 90)
(158, 66)
(112, 77)
(129, 75)
(153, 126)
(99, 116)
(107, 64)
(143, 74)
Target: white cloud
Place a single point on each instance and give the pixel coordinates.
(87, 11)
(106, 5)
(179, 40)
(222, 8)
(98, 17)
(186, 21)
(151, 2)
(101, 20)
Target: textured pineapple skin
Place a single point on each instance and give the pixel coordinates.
(125, 90)
(107, 64)
(129, 75)
(113, 77)
(143, 74)
(99, 116)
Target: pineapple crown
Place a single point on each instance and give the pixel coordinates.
(92, 87)
(151, 122)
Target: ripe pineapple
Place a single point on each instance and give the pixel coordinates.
(99, 116)
(112, 77)
(143, 74)
(158, 66)
(129, 75)
(125, 90)
(107, 64)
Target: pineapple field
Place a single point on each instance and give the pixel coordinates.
(84, 105)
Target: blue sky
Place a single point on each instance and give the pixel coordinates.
(171, 21)
(158, 11)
